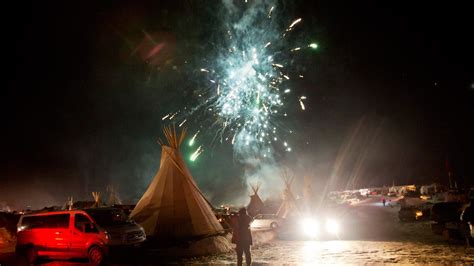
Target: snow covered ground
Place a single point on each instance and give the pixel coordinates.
(375, 237)
(348, 252)
(372, 235)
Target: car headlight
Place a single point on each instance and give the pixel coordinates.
(332, 226)
(107, 235)
(419, 214)
(310, 227)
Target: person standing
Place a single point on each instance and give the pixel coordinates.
(242, 237)
(467, 218)
(383, 201)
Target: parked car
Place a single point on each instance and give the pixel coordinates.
(410, 214)
(446, 218)
(266, 221)
(76, 234)
(414, 213)
(470, 194)
(391, 194)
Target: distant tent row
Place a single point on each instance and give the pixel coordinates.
(289, 205)
(113, 199)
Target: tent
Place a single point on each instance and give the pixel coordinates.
(113, 196)
(308, 195)
(97, 199)
(288, 205)
(255, 205)
(173, 208)
(69, 203)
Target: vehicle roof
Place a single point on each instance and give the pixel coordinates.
(52, 213)
(101, 209)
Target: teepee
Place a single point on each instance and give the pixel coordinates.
(113, 196)
(255, 205)
(308, 195)
(173, 208)
(97, 199)
(288, 204)
(69, 203)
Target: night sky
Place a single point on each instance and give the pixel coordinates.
(390, 95)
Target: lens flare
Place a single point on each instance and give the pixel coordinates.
(310, 227)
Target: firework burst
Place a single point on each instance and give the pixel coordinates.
(247, 83)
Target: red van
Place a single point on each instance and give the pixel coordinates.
(75, 234)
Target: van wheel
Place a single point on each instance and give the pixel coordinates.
(31, 255)
(96, 255)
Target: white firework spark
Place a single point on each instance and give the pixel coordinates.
(248, 90)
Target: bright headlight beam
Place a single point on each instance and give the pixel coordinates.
(310, 227)
(332, 226)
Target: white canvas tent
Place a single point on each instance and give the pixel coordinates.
(255, 205)
(69, 203)
(113, 196)
(288, 205)
(308, 194)
(173, 208)
(97, 199)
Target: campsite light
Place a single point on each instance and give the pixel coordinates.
(107, 235)
(313, 45)
(332, 226)
(418, 214)
(310, 227)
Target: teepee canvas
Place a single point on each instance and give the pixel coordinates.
(288, 205)
(256, 204)
(173, 207)
(113, 196)
(97, 199)
(308, 195)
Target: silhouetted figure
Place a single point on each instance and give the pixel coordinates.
(383, 201)
(467, 217)
(241, 236)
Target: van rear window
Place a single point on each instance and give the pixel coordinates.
(46, 221)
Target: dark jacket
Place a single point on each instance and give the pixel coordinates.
(468, 214)
(241, 230)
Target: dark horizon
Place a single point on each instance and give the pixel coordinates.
(390, 96)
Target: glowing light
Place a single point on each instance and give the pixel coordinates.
(313, 45)
(244, 82)
(196, 154)
(191, 142)
(310, 227)
(418, 214)
(294, 23)
(301, 102)
(166, 116)
(302, 105)
(332, 226)
(270, 12)
(173, 115)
